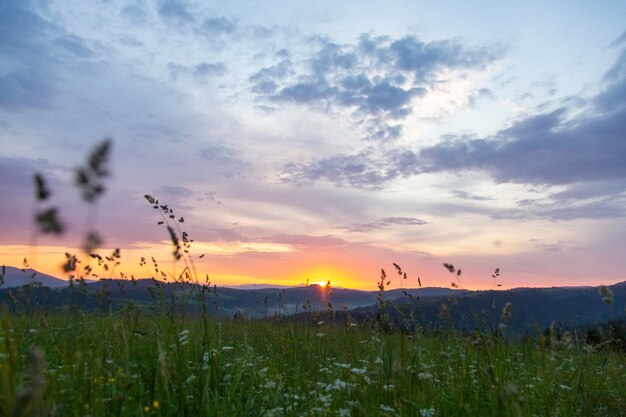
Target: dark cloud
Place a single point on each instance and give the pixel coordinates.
(464, 195)
(30, 88)
(480, 94)
(424, 60)
(208, 69)
(544, 149)
(136, 14)
(384, 223)
(215, 26)
(359, 170)
(216, 153)
(200, 71)
(35, 54)
(210, 196)
(176, 12)
(376, 79)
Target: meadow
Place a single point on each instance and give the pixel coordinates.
(138, 363)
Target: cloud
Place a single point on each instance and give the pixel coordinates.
(307, 242)
(29, 88)
(544, 149)
(563, 147)
(377, 79)
(35, 53)
(606, 207)
(200, 71)
(136, 14)
(384, 223)
(218, 25)
(464, 195)
(216, 153)
(175, 191)
(358, 170)
(176, 12)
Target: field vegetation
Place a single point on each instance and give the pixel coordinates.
(132, 362)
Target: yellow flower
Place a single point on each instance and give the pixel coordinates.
(155, 404)
(146, 409)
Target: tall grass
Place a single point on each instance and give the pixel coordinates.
(133, 363)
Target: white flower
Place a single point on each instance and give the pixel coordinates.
(358, 371)
(425, 376)
(427, 412)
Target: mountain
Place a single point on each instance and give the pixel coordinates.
(225, 301)
(531, 309)
(16, 277)
(258, 286)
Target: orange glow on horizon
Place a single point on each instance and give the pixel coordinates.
(290, 269)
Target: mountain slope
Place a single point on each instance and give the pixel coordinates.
(15, 277)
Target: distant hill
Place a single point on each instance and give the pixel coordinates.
(16, 277)
(257, 286)
(532, 308)
(254, 300)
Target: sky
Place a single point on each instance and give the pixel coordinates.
(315, 141)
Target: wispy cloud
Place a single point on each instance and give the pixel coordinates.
(384, 223)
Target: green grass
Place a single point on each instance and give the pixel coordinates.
(132, 363)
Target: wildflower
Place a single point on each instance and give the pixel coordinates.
(358, 371)
(386, 409)
(427, 412)
(425, 376)
(155, 404)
